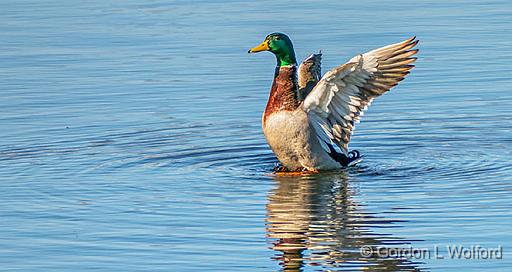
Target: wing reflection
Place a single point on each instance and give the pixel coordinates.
(313, 221)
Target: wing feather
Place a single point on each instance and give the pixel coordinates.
(340, 98)
(310, 72)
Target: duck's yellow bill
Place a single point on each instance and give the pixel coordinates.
(262, 47)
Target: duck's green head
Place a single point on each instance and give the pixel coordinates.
(281, 46)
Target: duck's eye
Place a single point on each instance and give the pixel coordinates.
(277, 38)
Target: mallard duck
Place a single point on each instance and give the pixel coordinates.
(309, 119)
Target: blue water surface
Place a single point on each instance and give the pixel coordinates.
(130, 138)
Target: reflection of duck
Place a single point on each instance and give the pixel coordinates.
(313, 221)
(308, 122)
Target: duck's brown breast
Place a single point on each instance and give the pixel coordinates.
(283, 94)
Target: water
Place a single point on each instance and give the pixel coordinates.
(131, 139)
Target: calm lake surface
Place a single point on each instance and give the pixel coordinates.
(130, 139)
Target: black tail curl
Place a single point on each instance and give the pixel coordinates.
(342, 158)
(353, 155)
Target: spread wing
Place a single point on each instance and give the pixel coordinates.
(341, 96)
(309, 74)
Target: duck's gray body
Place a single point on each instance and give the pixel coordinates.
(294, 142)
